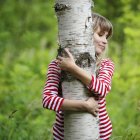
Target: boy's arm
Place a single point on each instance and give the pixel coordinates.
(90, 105)
(52, 101)
(102, 83)
(99, 85)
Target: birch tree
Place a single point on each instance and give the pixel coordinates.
(75, 32)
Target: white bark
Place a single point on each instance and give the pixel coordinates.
(75, 32)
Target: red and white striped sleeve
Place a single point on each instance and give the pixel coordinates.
(101, 84)
(51, 100)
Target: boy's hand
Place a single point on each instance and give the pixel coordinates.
(92, 106)
(66, 63)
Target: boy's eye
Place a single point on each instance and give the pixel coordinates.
(100, 34)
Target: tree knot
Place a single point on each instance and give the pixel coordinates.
(84, 60)
(61, 7)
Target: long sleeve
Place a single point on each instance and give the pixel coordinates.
(51, 99)
(101, 84)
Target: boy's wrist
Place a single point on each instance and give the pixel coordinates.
(68, 66)
(85, 106)
(72, 67)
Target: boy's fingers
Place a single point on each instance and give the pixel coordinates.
(97, 110)
(60, 58)
(95, 114)
(68, 52)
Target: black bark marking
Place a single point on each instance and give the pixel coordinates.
(61, 7)
(61, 51)
(84, 60)
(66, 76)
(87, 21)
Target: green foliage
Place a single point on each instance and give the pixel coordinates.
(28, 42)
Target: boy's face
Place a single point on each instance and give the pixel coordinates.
(100, 41)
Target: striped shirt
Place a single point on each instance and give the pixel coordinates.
(99, 85)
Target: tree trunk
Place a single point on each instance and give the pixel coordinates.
(75, 33)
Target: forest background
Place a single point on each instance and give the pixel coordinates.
(28, 42)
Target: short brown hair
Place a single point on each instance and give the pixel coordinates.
(103, 23)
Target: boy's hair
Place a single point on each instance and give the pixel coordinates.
(104, 24)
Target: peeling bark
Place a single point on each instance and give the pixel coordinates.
(75, 32)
